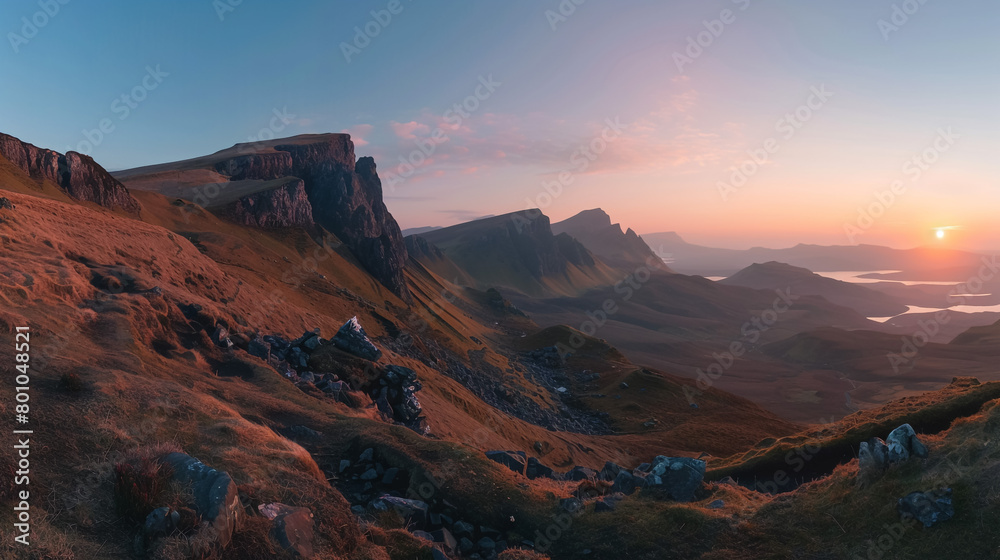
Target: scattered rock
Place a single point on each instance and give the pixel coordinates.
(679, 476)
(903, 443)
(548, 357)
(6, 204)
(717, 504)
(352, 338)
(927, 507)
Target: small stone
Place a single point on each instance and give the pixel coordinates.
(370, 474)
(717, 504)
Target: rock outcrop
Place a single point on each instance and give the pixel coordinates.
(345, 195)
(216, 498)
(281, 207)
(351, 338)
(75, 173)
(593, 228)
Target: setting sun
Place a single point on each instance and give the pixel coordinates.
(940, 234)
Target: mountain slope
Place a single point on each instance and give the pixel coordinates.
(593, 228)
(292, 182)
(775, 275)
(519, 251)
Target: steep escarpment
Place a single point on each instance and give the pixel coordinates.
(344, 194)
(520, 251)
(593, 228)
(284, 206)
(75, 173)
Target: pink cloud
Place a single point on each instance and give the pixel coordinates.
(409, 130)
(358, 133)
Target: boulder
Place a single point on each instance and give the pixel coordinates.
(259, 347)
(292, 527)
(873, 460)
(463, 529)
(216, 498)
(609, 472)
(903, 443)
(625, 483)
(220, 337)
(927, 507)
(579, 473)
(679, 476)
(352, 338)
(6, 204)
(514, 460)
(537, 470)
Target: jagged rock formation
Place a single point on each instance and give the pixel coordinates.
(281, 207)
(593, 228)
(518, 251)
(257, 186)
(75, 173)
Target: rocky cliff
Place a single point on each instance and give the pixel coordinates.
(345, 196)
(281, 207)
(75, 173)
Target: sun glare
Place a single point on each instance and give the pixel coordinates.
(940, 234)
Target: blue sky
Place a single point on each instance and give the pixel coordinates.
(557, 83)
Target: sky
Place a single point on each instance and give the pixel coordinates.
(735, 123)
